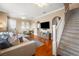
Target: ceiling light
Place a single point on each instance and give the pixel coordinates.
(41, 4)
(23, 17)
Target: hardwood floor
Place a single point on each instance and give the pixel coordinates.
(45, 50)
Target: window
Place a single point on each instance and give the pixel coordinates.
(23, 26)
(27, 25)
(12, 24)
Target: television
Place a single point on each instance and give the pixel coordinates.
(45, 25)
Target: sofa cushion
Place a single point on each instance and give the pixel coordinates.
(4, 44)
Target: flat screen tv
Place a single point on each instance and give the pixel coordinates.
(45, 25)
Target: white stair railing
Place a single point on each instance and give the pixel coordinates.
(55, 35)
(54, 44)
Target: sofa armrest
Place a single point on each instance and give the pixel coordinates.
(26, 48)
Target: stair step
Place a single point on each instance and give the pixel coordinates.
(70, 40)
(72, 28)
(75, 14)
(72, 32)
(76, 37)
(69, 46)
(70, 50)
(72, 25)
(74, 19)
(74, 10)
(73, 22)
(69, 43)
(64, 53)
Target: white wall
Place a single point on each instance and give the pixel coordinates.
(49, 17)
(73, 6)
(34, 27)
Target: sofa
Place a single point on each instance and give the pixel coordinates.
(23, 49)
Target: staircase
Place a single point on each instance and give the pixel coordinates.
(69, 43)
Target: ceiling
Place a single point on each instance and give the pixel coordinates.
(28, 10)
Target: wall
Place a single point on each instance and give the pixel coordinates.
(34, 27)
(3, 21)
(19, 23)
(50, 17)
(73, 5)
(19, 27)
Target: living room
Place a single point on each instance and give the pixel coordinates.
(39, 29)
(28, 24)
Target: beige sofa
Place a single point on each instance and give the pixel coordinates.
(23, 49)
